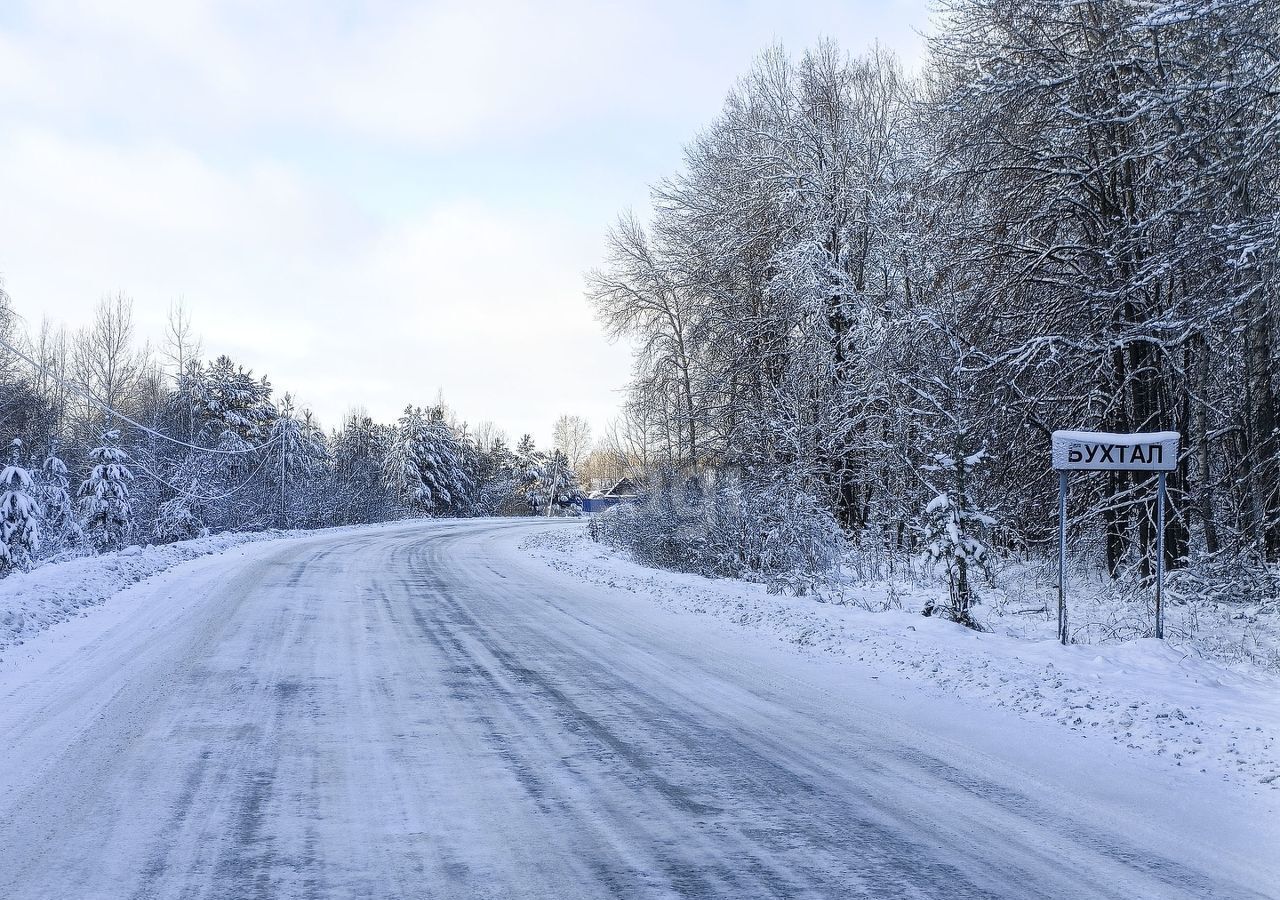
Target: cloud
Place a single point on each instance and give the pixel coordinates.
(368, 200)
(438, 75)
(289, 277)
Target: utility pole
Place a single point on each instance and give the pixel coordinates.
(284, 497)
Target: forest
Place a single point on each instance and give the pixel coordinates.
(113, 444)
(867, 298)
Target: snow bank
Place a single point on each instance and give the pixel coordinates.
(1144, 695)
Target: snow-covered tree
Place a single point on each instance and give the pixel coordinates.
(296, 458)
(106, 510)
(60, 528)
(561, 483)
(953, 531)
(423, 467)
(444, 467)
(547, 482)
(496, 478)
(572, 437)
(178, 520)
(359, 492)
(221, 406)
(19, 514)
(400, 467)
(229, 406)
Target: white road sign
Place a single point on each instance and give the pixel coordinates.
(1097, 450)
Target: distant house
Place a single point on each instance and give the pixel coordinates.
(621, 492)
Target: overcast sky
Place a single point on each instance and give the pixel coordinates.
(368, 201)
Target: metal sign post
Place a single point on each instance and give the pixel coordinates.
(1160, 557)
(1095, 451)
(1062, 556)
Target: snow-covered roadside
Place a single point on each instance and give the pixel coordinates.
(1144, 695)
(31, 602)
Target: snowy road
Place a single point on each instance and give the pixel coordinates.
(423, 711)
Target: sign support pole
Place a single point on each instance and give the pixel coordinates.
(1160, 489)
(1062, 556)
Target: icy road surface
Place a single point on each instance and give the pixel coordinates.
(424, 711)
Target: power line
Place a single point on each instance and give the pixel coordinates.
(85, 393)
(200, 497)
(137, 462)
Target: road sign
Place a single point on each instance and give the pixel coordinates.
(1098, 451)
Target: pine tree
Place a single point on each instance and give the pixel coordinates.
(529, 470)
(230, 406)
(496, 478)
(106, 508)
(190, 514)
(440, 465)
(561, 483)
(19, 514)
(400, 467)
(359, 450)
(424, 467)
(545, 482)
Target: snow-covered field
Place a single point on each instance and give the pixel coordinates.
(1219, 719)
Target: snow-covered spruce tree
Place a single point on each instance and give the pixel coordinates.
(224, 406)
(952, 534)
(106, 511)
(19, 514)
(546, 481)
(197, 478)
(468, 500)
(59, 527)
(229, 405)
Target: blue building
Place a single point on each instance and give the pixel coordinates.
(621, 492)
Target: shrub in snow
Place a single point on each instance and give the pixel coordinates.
(177, 521)
(105, 505)
(799, 540)
(769, 530)
(19, 515)
(951, 532)
(1243, 579)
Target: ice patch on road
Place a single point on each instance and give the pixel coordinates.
(1143, 696)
